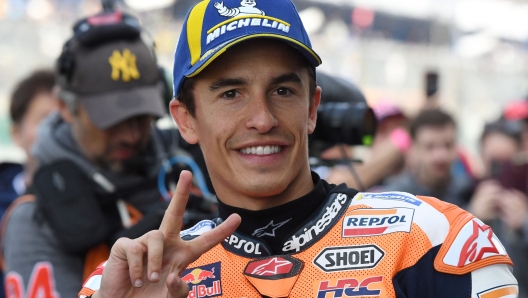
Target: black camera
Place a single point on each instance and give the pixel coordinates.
(343, 116)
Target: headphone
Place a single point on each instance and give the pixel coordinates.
(109, 25)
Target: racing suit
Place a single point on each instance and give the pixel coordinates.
(352, 245)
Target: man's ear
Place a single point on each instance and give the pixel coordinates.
(16, 135)
(184, 120)
(312, 112)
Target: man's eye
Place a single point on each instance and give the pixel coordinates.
(283, 91)
(230, 94)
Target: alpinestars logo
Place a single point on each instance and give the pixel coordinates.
(269, 230)
(273, 267)
(247, 7)
(299, 240)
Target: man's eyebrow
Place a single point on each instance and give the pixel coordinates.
(286, 78)
(226, 82)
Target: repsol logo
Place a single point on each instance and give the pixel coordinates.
(247, 246)
(297, 241)
(374, 222)
(349, 258)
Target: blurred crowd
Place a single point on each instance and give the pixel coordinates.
(100, 166)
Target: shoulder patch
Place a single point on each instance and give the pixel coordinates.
(469, 246)
(198, 229)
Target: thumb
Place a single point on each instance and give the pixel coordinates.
(177, 287)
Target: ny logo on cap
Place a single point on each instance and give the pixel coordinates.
(123, 64)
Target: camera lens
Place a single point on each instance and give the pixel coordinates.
(346, 123)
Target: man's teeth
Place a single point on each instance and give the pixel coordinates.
(261, 150)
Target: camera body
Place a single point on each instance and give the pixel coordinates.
(343, 116)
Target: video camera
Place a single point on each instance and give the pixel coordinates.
(343, 116)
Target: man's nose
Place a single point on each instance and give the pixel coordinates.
(129, 131)
(261, 115)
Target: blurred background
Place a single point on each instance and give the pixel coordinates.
(475, 51)
(447, 81)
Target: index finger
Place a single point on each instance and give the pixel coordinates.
(173, 218)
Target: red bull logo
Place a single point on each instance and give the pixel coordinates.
(374, 222)
(203, 281)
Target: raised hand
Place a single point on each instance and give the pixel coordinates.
(151, 265)
(219, 6)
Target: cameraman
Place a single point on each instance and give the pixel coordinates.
(344, 119)
(98, 158)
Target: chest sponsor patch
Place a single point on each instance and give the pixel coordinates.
(474, 242)
(505, 291)
(274, 268)
(392, 196)
(203, 281)
(345, 258)
(375, 222)
(350, 287)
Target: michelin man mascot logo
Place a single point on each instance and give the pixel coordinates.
(247, 7)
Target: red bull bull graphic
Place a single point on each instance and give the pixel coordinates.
(374, 222)
(203, 281)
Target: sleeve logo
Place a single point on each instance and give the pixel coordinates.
(474, 242)
(41, 283)
(506, 291)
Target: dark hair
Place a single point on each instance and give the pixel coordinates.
(428, 118)
(26, 90)
(186, 96)
(512, 129)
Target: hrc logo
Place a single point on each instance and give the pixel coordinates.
(123, 66)
(350, 287)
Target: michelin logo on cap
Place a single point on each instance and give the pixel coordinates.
(243, 18)
(247, 7)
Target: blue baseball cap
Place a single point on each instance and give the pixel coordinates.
(210, 28)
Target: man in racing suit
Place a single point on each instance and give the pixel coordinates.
(245, 91)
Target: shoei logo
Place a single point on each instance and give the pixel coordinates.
(123, 66)
(244, 16)
(346, 258)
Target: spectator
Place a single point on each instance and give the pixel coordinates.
(496, 202)
(31, 101)
(98, 161)
(431, 156)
